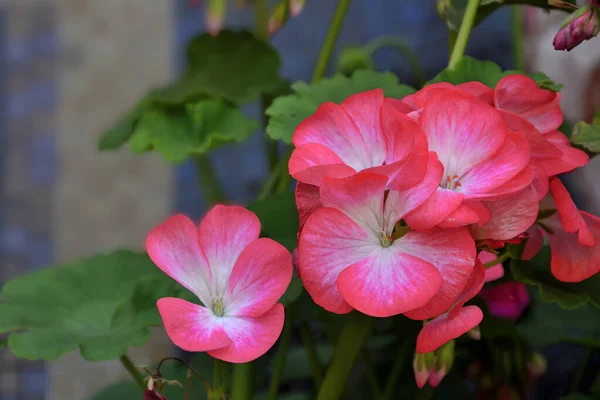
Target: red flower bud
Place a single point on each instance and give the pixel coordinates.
(152, 395)
(582, 25)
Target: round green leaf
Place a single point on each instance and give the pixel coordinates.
(54, 311)
(588, 135)
(287, 112)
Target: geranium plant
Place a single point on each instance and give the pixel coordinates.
(425, 227)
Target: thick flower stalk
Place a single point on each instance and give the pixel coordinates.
(237, 277)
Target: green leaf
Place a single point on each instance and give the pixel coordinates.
(353, 58)
(293, 291)
(287, 112)
(547, 323)
(567, 295)
(235, 66)
(588, 135)
(278, 218)
(119, 134)
(3, 343)
(469, 69)
(194, 130)
(59, 309)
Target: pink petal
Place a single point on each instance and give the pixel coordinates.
(492, 173)
(259, 278)
(507, 300)
(522, 180)
(401, 202)
(510, 217)
(442, 329)
(312, 162)
(452, 252)
(494, 273)
(534, 242)
(571, 261)
(415, 168)
(473, 287)
(332, 127)
(223, 234)
(308, 200)
(173, 246)
(190, 326)
(421, 98)
(400, 105)
(469, 212)
(330, 242)
(360, 197)
(540, 147)
(522, 95)
(251, 337)
(570, 159)
(365, 110)
(462, 130)
(570, 217)
(479, 90)
(540, 181)
(399, 131)
(389, 282)
(434, 210)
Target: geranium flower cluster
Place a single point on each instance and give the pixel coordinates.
(401, 202)
(397, 198)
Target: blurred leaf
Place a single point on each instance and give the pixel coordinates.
(278, 218)
(293, 291)
(119, 134)
(547, 323)
(586, 135)
(3, 343)
(297, 366)
(235, 66)
(128, 390)
(469, 69)
(197, 129)
(566, 128)
(567, 295)
(59, 309)
(354, 58)
(288, 111)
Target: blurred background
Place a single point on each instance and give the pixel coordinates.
(71, 68)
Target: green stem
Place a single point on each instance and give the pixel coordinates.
(499, 260)
(314, 362)
(243, 381)
(452, 34)
(388, 392)
(286, 179)
(351, 340)
(371, 375)
(334, 30)
(133, 371)
(518, 38)
(404, 49)
(464, 32)
(280, 357)
(261, 19)
(218, 371)
(211, 188)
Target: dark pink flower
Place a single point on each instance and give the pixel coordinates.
(152, 395)
(237, 277)
(507, 300)
(580, 26)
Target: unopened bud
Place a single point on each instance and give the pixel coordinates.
(475, 333)
(279, 16)
(296, 7)
(215, 16)
(444, 358)
(422, 366)
(536, 365)
(354, 58)
(580, 26)
(152, 395)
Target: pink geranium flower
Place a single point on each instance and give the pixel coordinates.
(507, 300)
(457, 320)
(482, 159)
(237, 277)
(573, 237)
(353, 254)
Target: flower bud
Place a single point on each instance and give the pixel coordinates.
(215, 16)
(536, 365)
(279, 16)
(475, 333)
(444, 358)
(152, 395)
(582, 25)
(352, 59)
(422, 365)
(296, 7)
